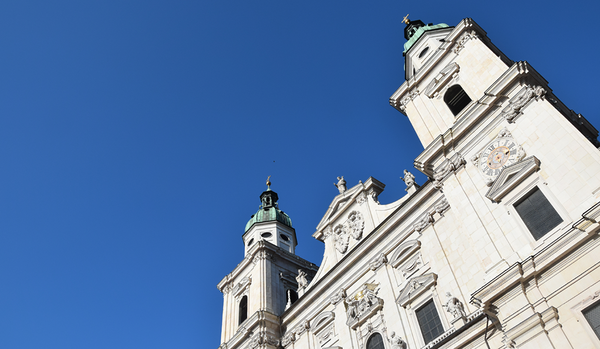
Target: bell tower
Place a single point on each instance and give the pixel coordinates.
(267, 281)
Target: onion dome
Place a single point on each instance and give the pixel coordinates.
(269, 210)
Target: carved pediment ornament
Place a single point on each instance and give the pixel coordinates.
(288, 339)
(449, 166)
(518, 102)
(353, 226)
(462, 40)
(415, 287)
(338, 296)
(378, 261)
(303, 327)
(242, 286)
(341, 238)
(407, 98)
(511, 176)
(263, 338)
(363, 305)
(356, 223)
(427, 218)
(361, 198)
(438, 83)
(321, 321)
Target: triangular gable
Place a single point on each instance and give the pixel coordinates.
(415, 287)
(511, 176)
(343, 201)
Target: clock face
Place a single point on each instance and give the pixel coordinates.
(498, 154)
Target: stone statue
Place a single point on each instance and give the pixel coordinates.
(409, 179)
(341, 184)
(301, 279)
(454, 306)
(397, 342)
(352, 307)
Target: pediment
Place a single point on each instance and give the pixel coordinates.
(442, 79)
(404, 251)
(321, 321)
(343, 202)
(415, 287)
(511, 176)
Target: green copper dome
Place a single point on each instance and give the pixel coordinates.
(269, 211)
(415, 29)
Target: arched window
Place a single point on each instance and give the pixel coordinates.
(293, 296)
(456, 99)
(243, 309)
(375, 342)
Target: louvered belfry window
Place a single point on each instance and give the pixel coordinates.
(456, 99)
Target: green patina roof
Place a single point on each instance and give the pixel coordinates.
(413, 39)
(267, 215)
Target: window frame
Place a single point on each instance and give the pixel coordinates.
(383, 339)
(578, 310)
(523, 189)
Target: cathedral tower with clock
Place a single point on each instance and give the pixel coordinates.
(498, 249)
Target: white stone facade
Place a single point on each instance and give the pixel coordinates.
(462, 232)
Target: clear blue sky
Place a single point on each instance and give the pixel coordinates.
(136, 137)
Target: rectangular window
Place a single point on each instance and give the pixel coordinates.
(592, 315)
(429, 321)
(537, 213)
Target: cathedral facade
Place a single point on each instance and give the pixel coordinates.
(498, 249)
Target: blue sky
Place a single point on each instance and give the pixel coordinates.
(136, 138)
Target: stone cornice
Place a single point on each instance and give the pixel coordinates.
(263, 249)
(259, 320)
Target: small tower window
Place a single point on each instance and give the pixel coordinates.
(424, 52)
(284, 237)
(266, 235)
(456, 99)
(243, 309)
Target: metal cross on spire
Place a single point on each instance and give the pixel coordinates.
(406, 20)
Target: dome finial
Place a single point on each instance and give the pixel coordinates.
(269, 183)
(406, 20)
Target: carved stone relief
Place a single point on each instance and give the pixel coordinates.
(338, 296)
(323, 327)
(373, 194)
(435, 87)
(288, 338)
(460, 43)
(449, 166)
(406, 99)
(363, 305)
(352, 227)
(361, 198)
(242, 286)
(341, 238)
(517, 103)
(262, 338)
(380, 260)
